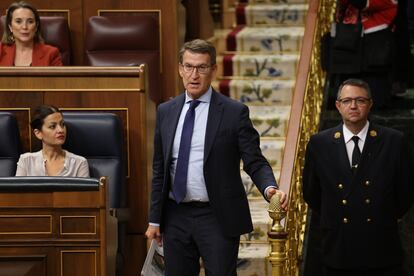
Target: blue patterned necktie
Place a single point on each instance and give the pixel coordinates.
(179, 188)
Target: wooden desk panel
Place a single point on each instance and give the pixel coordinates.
(40, 234)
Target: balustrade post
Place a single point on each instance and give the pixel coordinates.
(277, 238)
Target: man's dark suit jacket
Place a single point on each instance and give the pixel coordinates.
(359, 213)
(230, 137)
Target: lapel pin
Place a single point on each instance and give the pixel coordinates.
(337, 135)
(373, 133)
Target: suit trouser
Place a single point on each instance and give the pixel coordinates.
(191, 231)
(386, 271)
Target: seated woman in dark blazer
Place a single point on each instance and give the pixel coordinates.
(52, 160)
(22, 44)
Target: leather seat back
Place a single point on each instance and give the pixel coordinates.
(10, 147)
(127, 40)
(98, 137)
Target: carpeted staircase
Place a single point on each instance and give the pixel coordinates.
(257, 65)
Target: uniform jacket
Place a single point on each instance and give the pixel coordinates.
(230, 137)
(359, 212)
(376, 15)
(43, 55)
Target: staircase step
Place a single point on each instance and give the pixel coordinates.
(253, 260)
(274, 92)
(272, 149)
(271, 14)
(258, 65)
(265, 40)
(270, 121)
(220, 36)
(251, 190)
(261, 221)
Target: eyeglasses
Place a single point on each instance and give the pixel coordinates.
(202, 69)
(360, 101)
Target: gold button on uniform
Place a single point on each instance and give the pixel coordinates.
(344, 202)
(369, 220)
(367, 201)
(340, 186)
(345, 220)
(367, 183)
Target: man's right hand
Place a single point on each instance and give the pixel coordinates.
(153, 232)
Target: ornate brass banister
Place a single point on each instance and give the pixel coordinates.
(304, 121)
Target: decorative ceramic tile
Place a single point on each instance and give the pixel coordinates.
(270, 121)
(264, 14)
(262, 92)
(265, 65)
(271, 39)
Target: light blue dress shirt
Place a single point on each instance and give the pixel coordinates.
(196, 184)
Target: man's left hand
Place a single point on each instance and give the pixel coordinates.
(283, 197)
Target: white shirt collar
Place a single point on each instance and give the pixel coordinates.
(348, 134)
(205, 98)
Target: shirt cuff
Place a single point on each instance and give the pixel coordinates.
(265, 191)
(154, 224)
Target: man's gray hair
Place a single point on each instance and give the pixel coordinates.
(199, 46)
(354, 82)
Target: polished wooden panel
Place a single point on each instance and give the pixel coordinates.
(133, 245)
(25, 224)
(45, 79)
(23, 265)
(77, 262)
(32, 241)
(78, 225)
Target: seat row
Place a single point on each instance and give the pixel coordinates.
(110, 41)
(97, 136)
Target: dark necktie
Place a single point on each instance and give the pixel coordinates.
(179, 187)
(356, 154)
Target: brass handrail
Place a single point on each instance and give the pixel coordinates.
(304, 121)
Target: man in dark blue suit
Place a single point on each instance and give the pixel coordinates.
(359, 177)
(198, 205)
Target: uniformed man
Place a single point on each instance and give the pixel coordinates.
(359, 177)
